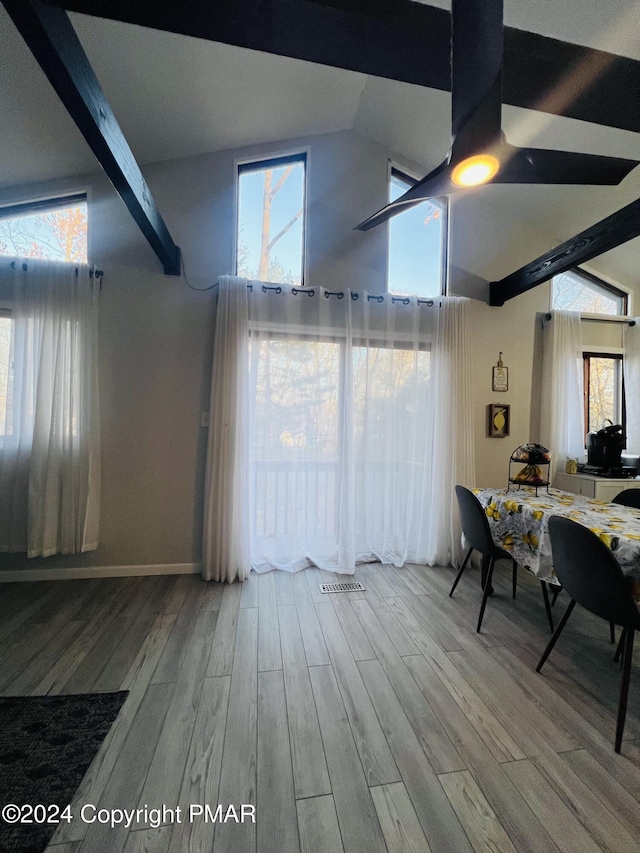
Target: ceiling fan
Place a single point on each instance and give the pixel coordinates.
(479, 151)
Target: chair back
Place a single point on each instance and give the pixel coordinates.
(590, 573)
(475, 524)
(628, 497)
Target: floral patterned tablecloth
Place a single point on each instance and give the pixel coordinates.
(519, 520)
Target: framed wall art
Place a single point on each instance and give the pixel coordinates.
(498, 419)
(500, 377)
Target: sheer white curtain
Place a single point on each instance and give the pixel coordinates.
(562, 405)
(452, 428)
(226, 547)
(631, 368)
(50, 446)
(359, 425)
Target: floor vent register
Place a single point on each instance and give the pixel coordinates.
(356, 586)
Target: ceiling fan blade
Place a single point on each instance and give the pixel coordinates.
(476, 99)
(437, 183)
(476, 74)
(542, 166)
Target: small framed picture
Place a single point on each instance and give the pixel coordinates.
(500, 378)
(498, 420)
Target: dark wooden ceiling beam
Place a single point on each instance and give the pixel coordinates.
(51, 38)
(400, 40)
(621, 226)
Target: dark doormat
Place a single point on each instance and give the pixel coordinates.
(46, 746)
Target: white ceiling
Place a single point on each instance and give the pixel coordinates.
(176, 96)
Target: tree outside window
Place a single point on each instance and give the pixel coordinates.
(576, 290)
(270, 235)
(52, 231)
(603, 390)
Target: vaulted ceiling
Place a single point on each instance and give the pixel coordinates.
(177, 96)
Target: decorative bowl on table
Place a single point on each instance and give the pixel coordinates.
(536, 469)
(533, 453)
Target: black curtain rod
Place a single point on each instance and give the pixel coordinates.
(404, 300)
(598, 319)
(92, 270)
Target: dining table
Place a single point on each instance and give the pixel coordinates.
(519, 523)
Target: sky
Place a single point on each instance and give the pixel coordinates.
(415, 250)
(288, 250)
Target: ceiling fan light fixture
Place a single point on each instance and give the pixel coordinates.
(476, 170)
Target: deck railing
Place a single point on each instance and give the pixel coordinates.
(292, 496)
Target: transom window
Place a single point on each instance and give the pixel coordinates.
(576, 290)
(54, 229)
(270, 226)
(417, 243)
(603, 390)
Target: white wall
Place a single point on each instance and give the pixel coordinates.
(491, 243)
(156, 333)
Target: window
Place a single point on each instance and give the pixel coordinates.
(417, 243)
(52, 229)
(576, 290)
(55, 229)
(302, 502)
(603, 390)
(270, 227)
(6, 370)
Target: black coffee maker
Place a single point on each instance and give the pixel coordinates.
(604, 449)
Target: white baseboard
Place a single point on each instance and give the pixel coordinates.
(100, 572)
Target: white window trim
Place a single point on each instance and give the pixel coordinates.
(259, 157)
(603, 350)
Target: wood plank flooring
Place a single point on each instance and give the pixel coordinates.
(376, 722)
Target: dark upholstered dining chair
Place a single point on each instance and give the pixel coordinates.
(592, 577)
(628, 497)
(477, 532)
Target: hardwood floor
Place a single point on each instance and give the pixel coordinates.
(358, 722)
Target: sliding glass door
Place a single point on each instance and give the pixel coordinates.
(338, 451)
